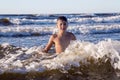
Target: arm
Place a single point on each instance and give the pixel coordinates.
(49, 45)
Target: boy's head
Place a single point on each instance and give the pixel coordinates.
(62, 23)
(62, 18)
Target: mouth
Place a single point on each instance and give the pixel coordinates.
(63, 28)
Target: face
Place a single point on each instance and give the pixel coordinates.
(62, 25)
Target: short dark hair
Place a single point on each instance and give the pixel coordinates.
(63, 18)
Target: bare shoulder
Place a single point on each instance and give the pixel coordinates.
(71, 35)
(53, 36)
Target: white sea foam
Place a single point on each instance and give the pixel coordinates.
(37, 30)
(33, 59)
(109, 19)
(12, 31)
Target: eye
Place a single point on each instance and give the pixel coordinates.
(64, 24)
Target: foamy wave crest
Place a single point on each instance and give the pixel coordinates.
(104, 49)
(33, 20)
(14, 59)
(95, 19)
(25, 21)
(25, 31)
(45, 30)
(95, 29)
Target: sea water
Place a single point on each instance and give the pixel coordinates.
(95, 55)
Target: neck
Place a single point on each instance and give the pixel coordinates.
(61, 33)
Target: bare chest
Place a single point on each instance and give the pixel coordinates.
(63, 42)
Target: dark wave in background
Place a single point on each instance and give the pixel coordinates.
(43, 31)
(32, 19)
(79, 24)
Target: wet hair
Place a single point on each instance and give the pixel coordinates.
(63, 18)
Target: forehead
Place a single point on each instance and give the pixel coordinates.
(61, 21)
